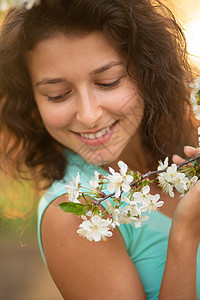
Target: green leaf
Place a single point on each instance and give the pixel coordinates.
(198, 94)
(75, 208)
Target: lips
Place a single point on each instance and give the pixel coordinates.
(97, 130)
(97, 138)
(97, 134)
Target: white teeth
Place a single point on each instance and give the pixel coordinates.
(92, 136)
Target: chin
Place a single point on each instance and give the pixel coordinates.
(98, 160)
(101, 158)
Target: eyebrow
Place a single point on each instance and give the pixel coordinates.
(107, 67)
(96, 71)
(49, 81)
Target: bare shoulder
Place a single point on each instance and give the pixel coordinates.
(83, 269)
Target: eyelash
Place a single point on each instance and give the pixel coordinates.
(103, 85)
(57, 98)
(111, 84)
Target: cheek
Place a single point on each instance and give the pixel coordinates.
(55, 117)
(130, 105)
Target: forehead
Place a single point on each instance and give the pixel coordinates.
(70, 53)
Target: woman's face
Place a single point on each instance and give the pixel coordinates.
(84, 95)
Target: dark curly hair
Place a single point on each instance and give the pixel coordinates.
(145, 32)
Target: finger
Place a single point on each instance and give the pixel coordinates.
(191, 151)
(177, 159)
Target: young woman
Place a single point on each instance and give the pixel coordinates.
(84, 84)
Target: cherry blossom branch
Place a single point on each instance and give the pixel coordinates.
(147, 175)
(189, 161)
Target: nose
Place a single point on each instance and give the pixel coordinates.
(89, 109)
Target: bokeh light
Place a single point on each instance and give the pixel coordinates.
(193, 38)
(188, 13)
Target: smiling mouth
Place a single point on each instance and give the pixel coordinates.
(98, 134)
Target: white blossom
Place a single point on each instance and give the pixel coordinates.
(194, 98)
(72, 189)
(139, 219)
(194, 101)
(161, 165)
(165, 185)
(98, 180)
(123, 170)
(192, 182)
(84, 217)
(127, 179)
(4, 5)
(127, 200)
(196, 85)
(115, 183)
(139, 197)
(181, 185)
(88, 214)
(95, 183)
(172, 178)
(127, 218)
(151, 203)
(123, 167)
(119, 181)
(28, 4)
(145, 200)
(114, 213)
(196, 108)
(129, 214)
(95, 229)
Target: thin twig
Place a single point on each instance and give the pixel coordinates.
(188, 161)
(148, 174)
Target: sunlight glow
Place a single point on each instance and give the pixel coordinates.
(193, 38)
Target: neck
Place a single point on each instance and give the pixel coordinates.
(135, 155)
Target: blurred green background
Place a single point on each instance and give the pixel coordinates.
(23, 274)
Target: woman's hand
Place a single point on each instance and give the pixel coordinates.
(179, 279)
(186, 218)
(189, 151)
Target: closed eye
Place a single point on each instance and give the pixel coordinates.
(110, 84)
(58, 98)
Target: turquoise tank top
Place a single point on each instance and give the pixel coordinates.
(146, 245)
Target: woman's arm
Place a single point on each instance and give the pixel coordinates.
(87, 270)
(179, 280)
